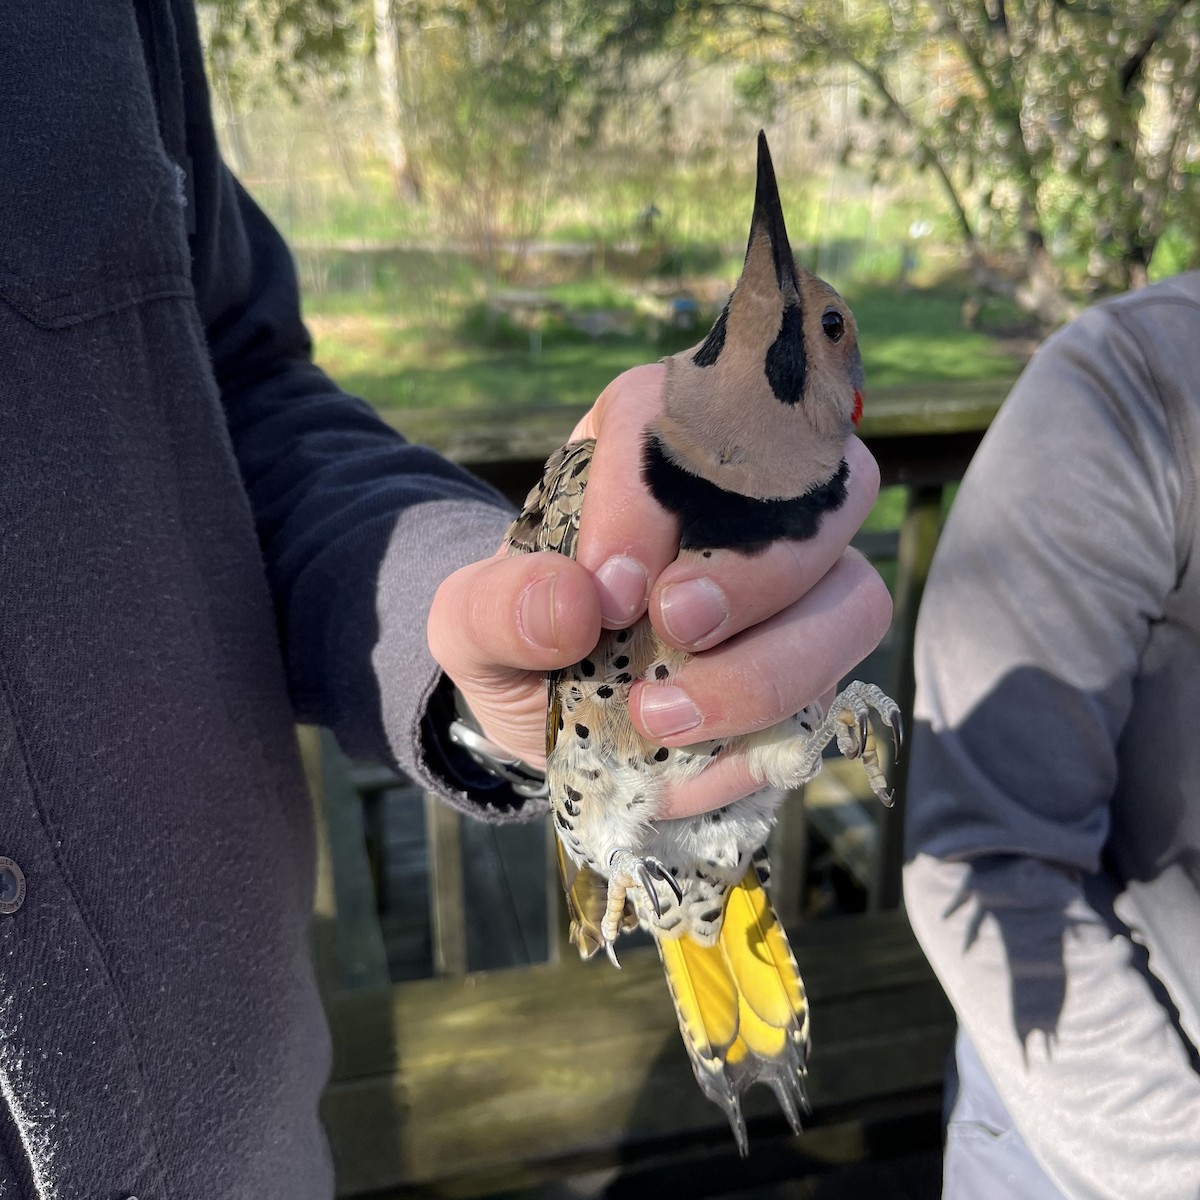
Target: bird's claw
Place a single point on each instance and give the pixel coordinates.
(610, 950)
(897, 724)
(642, 871)
(656, 869)
(628, 870)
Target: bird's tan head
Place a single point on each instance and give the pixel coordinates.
(764, 405)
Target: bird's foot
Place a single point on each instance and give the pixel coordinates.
(849, 720)
(783, 759)
(627, 870)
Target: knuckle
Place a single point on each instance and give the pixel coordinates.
(870, 606)
(880, 605)
(864, 469)
(750, 698)
(781, 702)
(796, 564)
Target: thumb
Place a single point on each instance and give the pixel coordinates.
(503, 617)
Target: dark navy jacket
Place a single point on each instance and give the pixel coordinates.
(181, 494)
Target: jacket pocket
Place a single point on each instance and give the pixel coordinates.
(92, 210)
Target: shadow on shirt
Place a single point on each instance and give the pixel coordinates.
(1021, 790)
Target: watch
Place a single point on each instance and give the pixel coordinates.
(527, 781)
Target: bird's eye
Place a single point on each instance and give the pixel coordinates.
(833, 324)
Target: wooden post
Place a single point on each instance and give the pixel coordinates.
(556, 933)
(362, 959)
(918, 540)
(447, 903)
(788, 849)
(324, 929)
(347, 940)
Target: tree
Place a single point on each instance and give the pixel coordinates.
(1064, 133)
(472, 85)
(387, 26)
(289, 42)
(483, 102)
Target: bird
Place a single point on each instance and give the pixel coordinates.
(749, 449)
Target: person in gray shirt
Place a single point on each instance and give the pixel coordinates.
(1053, 873)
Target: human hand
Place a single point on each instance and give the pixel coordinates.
(769, 633)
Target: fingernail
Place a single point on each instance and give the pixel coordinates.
(535, 613)
(622, 583)
(668, 710)
(693, 609)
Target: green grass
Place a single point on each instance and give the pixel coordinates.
(419, 347)
(398, 370)
(916, 337)
(409, 327)
(328, 207)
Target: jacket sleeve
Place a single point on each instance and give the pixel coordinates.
(1059, 553)
(357, 526)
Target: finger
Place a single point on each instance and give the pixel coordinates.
(724, 781)
(705, 597)
(528, 612)
(625, 537)
(771, 671)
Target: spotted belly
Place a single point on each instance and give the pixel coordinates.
(605, 784)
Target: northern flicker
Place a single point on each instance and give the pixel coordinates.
(748, 450)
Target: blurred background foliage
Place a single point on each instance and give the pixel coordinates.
(508, 201)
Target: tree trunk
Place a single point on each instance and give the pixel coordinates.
(1041, 292)
(1139, 275)
(387, 67)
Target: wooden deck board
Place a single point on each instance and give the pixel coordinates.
(533, 431)
(487, 1077)
(827, 1163)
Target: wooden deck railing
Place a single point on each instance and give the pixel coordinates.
(467, 1084)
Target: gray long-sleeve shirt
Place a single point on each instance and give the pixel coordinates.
(182, 493)
(1054, 822)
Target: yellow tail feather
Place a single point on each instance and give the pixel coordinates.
(741, 1007)
(767, 1041)
(705, 995)
(760, 956)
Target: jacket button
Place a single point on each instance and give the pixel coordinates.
(12, 886)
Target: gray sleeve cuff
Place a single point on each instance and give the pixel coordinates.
(428, 543)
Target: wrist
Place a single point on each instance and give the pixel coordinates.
(466, 732)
